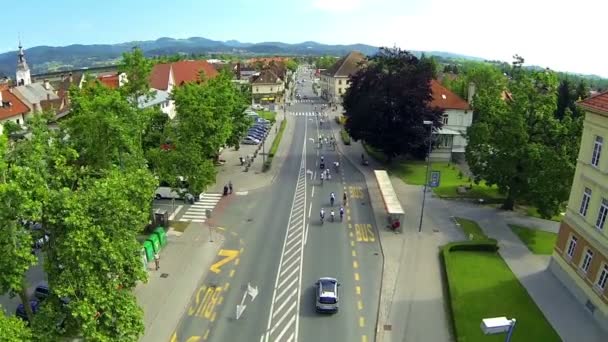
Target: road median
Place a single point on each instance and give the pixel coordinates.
(275, 146)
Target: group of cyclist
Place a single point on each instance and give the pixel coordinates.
(332, 199)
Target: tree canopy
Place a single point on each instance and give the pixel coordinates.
(518, 144)
(387, 102)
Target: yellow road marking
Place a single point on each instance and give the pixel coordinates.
(352, 243)
(197, 300)
(236, 262)
(220, 228)
(348, 217)
(356, 276)
(350, 226)
(174, 337)
(356, 192)
(232, 273)
(350, 234)
(360, 304)
(233, 233)
(220, 301)
(354, 253)
(363, 338)
(228, 254)
(358, 289)
(361, 322)
(226, 286)
(242, 249)
(193, 339)
(365, 233)
(355, 264)
(348, 212)
(212, 317)
(206, 334)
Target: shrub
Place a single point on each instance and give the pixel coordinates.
(345, 137)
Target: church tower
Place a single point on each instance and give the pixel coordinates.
(23, 71)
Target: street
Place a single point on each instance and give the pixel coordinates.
(276, 249)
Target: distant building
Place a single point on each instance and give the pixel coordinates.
(113, 80)
(334, 81)
(37, 96)
(580, 257)
(458, 116)
(23, 76)
(11, 108)
(160, 99)
(165, 76)
(267, 87)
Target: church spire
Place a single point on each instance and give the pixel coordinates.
(23, 71)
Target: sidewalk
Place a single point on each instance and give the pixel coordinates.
(254, 178)
(185, 260)
(412, 290)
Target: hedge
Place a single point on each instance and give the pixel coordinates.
(274, 147)
(345, 137)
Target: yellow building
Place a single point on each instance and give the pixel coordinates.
(580, 257)
(334, 81)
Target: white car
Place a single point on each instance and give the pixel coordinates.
(257, 106)
(250, 141)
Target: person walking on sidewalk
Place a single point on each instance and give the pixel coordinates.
(157, 260)
(230, 186)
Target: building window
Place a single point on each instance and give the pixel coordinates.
(339, 90)
(340, 82)
(597, 151)
(444, 141)
(271, 89)
(585, 202)
(601, 216)
(603, 278)
(444, 119)
(18, 121)
(571, 246)
(587, 260)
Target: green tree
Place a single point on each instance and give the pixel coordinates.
(517, 143)
(387, 102)
(138, 68)
(12, 329)
(291, 65)
(325, 62)
(10, 127)
(105, 128)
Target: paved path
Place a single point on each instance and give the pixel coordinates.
(411, 285)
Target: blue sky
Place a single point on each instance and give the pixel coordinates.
(561, 34)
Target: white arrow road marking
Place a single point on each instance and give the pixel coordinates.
(252, 291)
(241, 308)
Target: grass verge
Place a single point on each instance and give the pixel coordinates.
(481, 285)
(533, 212)
(537, 241)
(471, 229)
(345, 137)
(451, 179)
(372, 152)
(270, 116)
(275, 146)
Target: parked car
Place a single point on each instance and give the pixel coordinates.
(20, 311)
(257, 106)
(261, 126)
(41, 292)
(258, 130)
(250, 141)
(256, 136)
(165, 190)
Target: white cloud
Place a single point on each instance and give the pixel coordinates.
(337, 5)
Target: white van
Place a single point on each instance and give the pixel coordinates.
(165, 191)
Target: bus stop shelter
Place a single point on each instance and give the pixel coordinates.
(391, 201)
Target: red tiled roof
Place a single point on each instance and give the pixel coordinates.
(267, 60)
(159, 77)
(596, 103)
(445, 99)
(16, 106)
(110, 81)
(183, 72)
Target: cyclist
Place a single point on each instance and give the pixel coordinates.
(332, 198)
(332, 215)
(341, 213)
(322, 215)
(322, 177)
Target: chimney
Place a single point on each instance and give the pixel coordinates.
(471, 92)
(46, 85)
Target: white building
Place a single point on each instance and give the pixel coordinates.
(458, 116)
(334, 81)
(161, 99)
(23, 76)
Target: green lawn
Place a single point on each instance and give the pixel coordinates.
(270, 116)
(537, 241)
(532, 211)
(471, 228)
(482, 286)
(413, 172)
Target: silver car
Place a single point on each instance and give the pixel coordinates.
(326, 295)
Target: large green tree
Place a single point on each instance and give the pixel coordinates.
(387, 102)
(13, 329)
(518, 144)
(137, 68)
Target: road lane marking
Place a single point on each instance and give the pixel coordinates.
(213, 317)
(295, 290)
(350, 226)
(206, 334)
(349, 217)
(358, 289)
(226, 286)
(293, 264)
(354, 253)
(356, 276)
(350, 234)
(285, 302)
(233, 271)
(291, 307)
(352, 243)
(360, 304)
(312, 194)
(355, 264)
(220, 301)
(288, 277)
(365, 233)
(228, 254)
(237, 261)
(361, 322)
(363, 338)
(291, 321)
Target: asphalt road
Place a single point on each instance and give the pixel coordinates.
(276, 245)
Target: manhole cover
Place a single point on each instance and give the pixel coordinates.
(164, 275)
(388, 327)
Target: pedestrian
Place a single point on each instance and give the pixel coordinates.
(230, 186)
(241, 160)
(225, 190)
(157, 260)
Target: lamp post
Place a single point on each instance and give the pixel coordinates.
(426, 177)
(498, 325)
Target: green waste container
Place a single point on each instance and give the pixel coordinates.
(149, 250)
(162, 236)
(155, 242)
(144, 258)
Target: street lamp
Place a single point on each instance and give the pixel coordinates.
(426, 178)
(498, 325)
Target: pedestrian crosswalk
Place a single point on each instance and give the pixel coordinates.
(305, 101)
(302, 113)
(197, 211)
